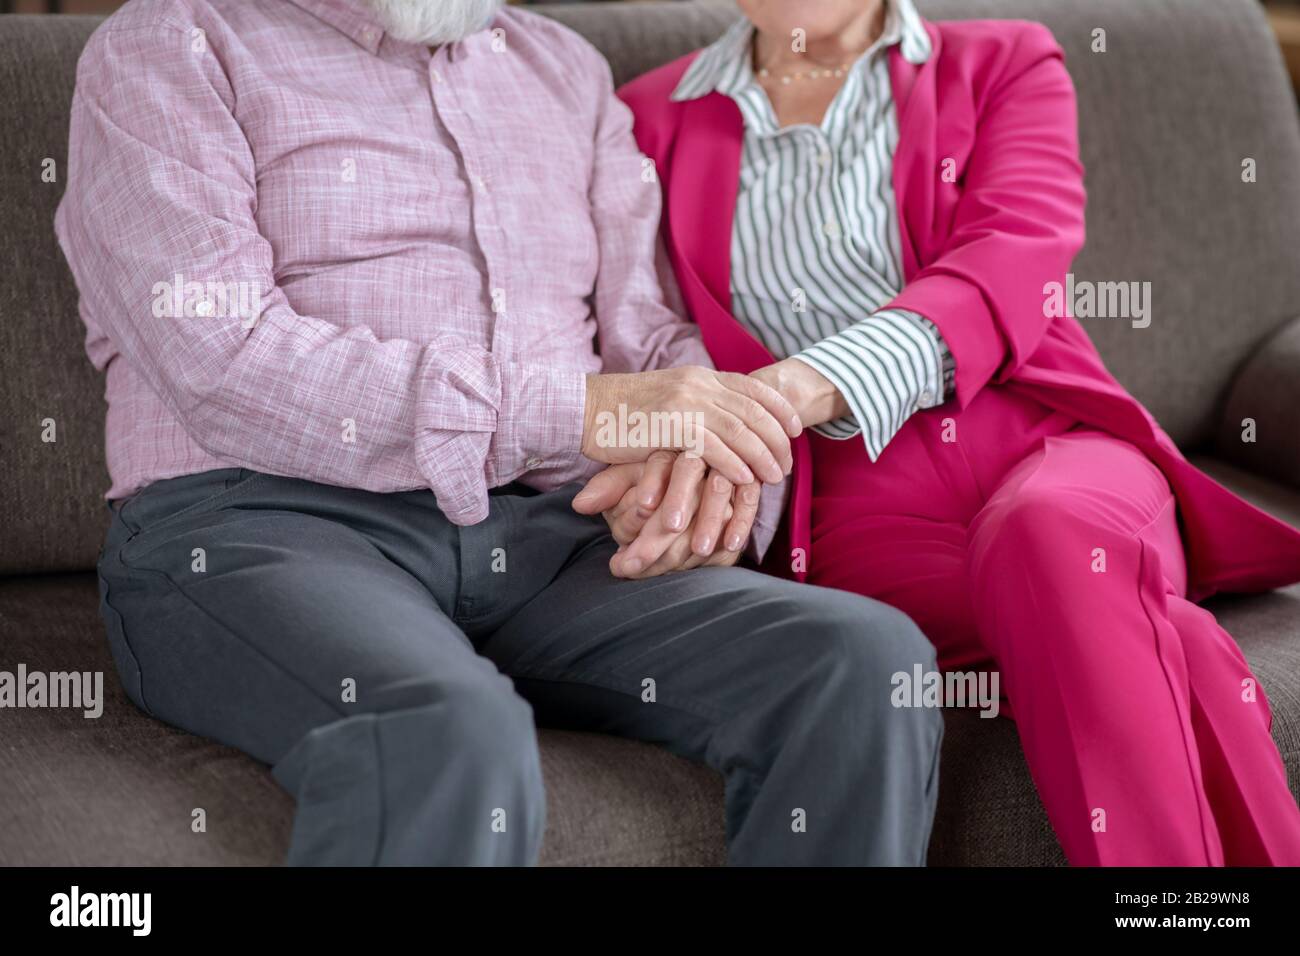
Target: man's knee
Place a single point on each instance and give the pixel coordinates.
(485, 719)
(473, 772)
(837, 697)
(455, 771)
(847, 649)
(860, 636)
(479, 731)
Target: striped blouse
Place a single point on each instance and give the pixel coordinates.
(815, 247)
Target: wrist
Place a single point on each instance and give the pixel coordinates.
(591, 406)
(813, 395)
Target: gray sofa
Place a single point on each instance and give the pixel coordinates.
(1186, 91)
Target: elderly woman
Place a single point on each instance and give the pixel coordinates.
(863, 209)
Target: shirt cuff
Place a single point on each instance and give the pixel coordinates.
(486, 424)
(887, 367)
(539, 422)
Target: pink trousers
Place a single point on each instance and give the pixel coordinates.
(1020, 541)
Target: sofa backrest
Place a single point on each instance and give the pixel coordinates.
(1185, 92)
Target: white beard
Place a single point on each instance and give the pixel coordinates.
(433, 22)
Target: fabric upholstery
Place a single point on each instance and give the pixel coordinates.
(1267, 390)
(1186, 91)
(52, 490)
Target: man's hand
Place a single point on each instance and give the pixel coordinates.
(734, 423)
(667, 518)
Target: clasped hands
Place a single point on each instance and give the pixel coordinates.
(674, 498)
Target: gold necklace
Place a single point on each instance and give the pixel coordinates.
(820, 73)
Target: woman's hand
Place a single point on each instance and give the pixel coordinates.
(667, 517)
(814, 398)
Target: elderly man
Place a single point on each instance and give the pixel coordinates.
(364, 278)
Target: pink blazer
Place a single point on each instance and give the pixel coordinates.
(995, 98)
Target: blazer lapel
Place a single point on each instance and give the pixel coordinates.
(703, 181)
(702, 195)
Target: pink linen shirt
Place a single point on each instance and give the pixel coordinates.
(306, 248)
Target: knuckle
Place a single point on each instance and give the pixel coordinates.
(754, 411)
(691, 467)
(734, 429)
(766, 391)
(716, 450)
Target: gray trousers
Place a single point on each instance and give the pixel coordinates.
(389, 665)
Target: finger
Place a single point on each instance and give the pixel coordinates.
(628, 517)
(685, 487)
(618, 513)
(655, 473)
(712, 515)
(626, 503)
(744, 505)
(678, 557)
(681, 502)
(767, 429)
(721, 559)
(728, 425)
(606, 488)
(772, 400)
(708, 447)
(625, 520)
(647, 548)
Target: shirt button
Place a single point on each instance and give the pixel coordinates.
(927, 397)
(832, 229)
(534, 462)
(369, 34)
(824, 158)
(480, 184)
(204, 308)
(435, 76)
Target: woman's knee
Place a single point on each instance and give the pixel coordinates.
(1038, 531)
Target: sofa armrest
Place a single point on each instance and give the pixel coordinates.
(1266, 392)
